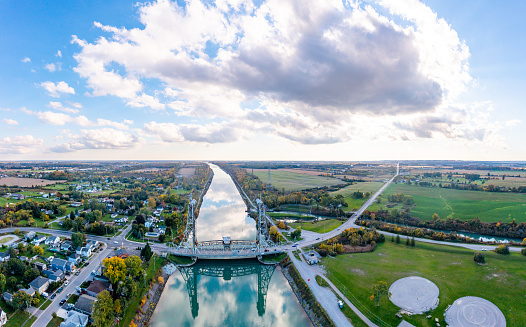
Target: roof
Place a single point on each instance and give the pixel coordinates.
(30, 290)
(39, 282)
(7, 296)
(98, 286)
(75, 319)
(53, 238)
(58, 262)
(4, 254)
(85, 303)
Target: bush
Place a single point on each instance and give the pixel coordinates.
(503, 249)
(479, 257)
(323, 252)
(523, 251)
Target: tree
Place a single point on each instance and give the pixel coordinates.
(162, 237)
(21, 300)
(140, 219)
(3, 282)
(31, 274)
(379, 290)
(127, 290)
(160, 280)
(37, 250)
(71, 215)
(11, 282)
(146, 252)
(114, 269)
(117, 306)
(103, 310)
(407, 241)
(413, 243)
(397, 239)
(133, 266)
(282, 225)
(78, 239)
(296, 233)
(435, 217)
(479, 257)
(503, 249)
(523, 252)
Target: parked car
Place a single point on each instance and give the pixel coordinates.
(66, 283)
(62, 302)
(60, 289)
(53, 296)
(340, 304)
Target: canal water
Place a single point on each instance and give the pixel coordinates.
(227, 292)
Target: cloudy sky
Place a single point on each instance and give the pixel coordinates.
(274, 79)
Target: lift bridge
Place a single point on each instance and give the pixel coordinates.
(233, 269)
(226, 248)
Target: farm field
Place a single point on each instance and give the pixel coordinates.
(352, 203)
(465, 205)
(27, 182)
(292, 181)
(502, 280)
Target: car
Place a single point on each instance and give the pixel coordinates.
(60, 289)
(109, 238)
(62, 302)
(294, 245)
(340, 304)
(66, 283)
(53, 296)
(317, 238)
(77, 273)
(484, 250)
(115, 242)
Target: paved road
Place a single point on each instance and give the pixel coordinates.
(323, 295)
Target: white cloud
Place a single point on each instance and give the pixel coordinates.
(54, 90)
(103, 138)
(58, 106)
(76, 104)
(26, 59)
(59, 54)
(50, 67)
(10, 121)
(210, 133)
(20, 144)
(57, 118)
(145, 100)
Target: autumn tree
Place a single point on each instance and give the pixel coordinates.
(117, 306)
(379, 290)
(103, 310)
(37, 250)
(3, 282)
(133, 266)
(21, 299)
(115, 269)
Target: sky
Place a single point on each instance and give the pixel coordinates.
(262, 80)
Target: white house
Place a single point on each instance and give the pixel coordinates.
(85, 252)
(75, 319)
(39, 239)
(3, 317)
(52, 240)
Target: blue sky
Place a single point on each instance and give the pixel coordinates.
(236, 79)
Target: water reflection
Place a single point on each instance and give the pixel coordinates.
(223, 212)
(228, 293)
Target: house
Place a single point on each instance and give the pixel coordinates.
(98, 286)
(85, 252)
(57, 264)
(85, 304)
(3, 317)
(66, 246)
(75, 204)
(29, 236)
(75, 319)
(40, 266)
(8, 297)
(18, 196)
(30, 291)
(4, 256)
(70, 266)
(24, 258)
(52, 240)
(75, 258)
(40, 284)
(92, 244)
(54, 276)
(39, 239)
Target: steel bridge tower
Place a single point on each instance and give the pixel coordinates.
(263, 237)
(189, 241)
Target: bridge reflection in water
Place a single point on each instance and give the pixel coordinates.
(233, 269)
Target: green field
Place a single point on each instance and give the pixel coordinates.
(464, 205)
(352, 203)
(502, 280)
(291, 181)
(322, 226)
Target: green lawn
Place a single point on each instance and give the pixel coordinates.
(55, 322)
(465, 205)
(279, 215)
(295, 181)
(6, 239)
(73, 299)
(319, 227)
(17, 319)
(502, 280)
(352, 203)
(45, 304)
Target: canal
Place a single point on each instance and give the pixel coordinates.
(227, 292)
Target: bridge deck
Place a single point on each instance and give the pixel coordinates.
(223, 253)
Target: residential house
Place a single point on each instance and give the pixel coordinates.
(75, 258)
(4, 256)
(75, 319)
(57, 264)
(30, 291)
(122, 220)
(24, 258)
(18, 196)
(66, 246)
(29, 236)
(85, 304)
(98, 286)
(40, 266)
(52, 240)
(39, 239)
(75, 204)
(3, 317)
(54, 276)
(40, 284)
(70, 266)
(85, 252)
(8, 297)
(92, 244)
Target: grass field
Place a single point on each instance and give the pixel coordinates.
(318, 227)
(291, 181)
(465, 205)
(55, 322)
(502, 280)
(352, 203)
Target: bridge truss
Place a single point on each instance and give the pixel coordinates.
(190, 246)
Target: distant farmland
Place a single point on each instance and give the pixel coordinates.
(464, 205)
(294, 181)
(352, 203)
(27, 182)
